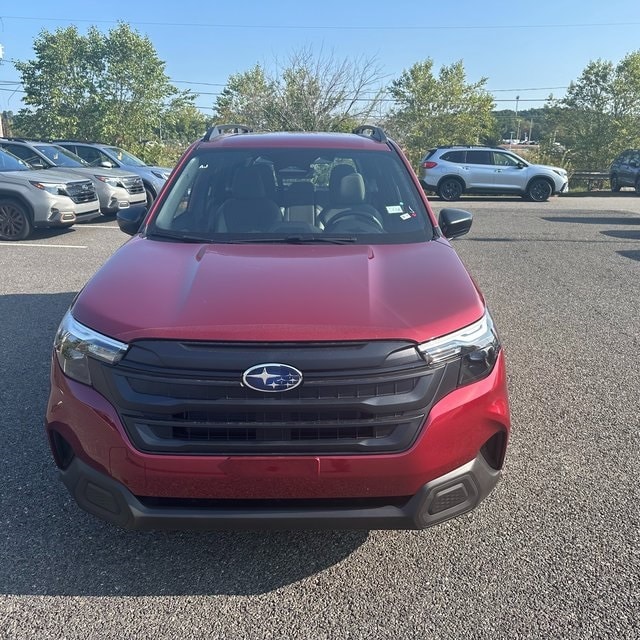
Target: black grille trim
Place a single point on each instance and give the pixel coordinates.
(133, 184)
(181, 398)
(81, 192)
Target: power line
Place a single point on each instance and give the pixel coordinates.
(341, 27)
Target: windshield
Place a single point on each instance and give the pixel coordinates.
(125, 157)
(60, 156)
(9, 162)
(293, 195)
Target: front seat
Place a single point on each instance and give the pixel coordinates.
(349, 195)
(248, 210)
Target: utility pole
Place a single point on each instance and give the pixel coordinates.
(1, 128)
(517, 121)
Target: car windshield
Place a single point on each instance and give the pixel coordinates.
(125, 157)
(9, 162)
(60, 156)
(293, 195)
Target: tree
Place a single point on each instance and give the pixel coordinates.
(431, 111)
(600, 112)
(309, 93)
(110, 87)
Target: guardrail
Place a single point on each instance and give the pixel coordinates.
(594, 179)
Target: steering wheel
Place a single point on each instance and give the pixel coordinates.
(364, 216)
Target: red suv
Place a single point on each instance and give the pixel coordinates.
(288, 340)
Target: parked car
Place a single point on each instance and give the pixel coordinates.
(455, 170)
(116, 189)
(105, 155)
(625, 170)
(251, 358)
(41, 199)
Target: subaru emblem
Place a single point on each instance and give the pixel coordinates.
(272, 377)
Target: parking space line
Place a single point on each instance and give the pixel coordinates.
(48, 246)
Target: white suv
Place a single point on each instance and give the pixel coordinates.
(452, 171)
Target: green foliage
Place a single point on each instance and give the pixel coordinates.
(600, 114)
(310, 93)
(432, 111)
(110, 87)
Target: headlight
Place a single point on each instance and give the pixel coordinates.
(163, 175)
(111, 181)
(561, 172)
(475, 346)
(56, 188)
(74, 344)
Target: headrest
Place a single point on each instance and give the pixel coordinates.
(352, 189)
(247, 183)
(337, 173)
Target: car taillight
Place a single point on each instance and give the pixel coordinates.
(429, 165)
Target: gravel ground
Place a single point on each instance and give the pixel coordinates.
(553, 553)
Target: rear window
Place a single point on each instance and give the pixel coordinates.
(455, 156)
(479, 157)
(273, 195)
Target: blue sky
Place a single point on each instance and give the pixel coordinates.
(525, 49)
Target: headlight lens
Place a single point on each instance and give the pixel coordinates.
(75, 343)
(163, 175)
(56, 188)
(110, 180)
(475, 346)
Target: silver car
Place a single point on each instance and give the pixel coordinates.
(116, 189)
(41, 199)
(453, 171)
(106, 155)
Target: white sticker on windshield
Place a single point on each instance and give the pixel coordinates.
(394, 209)
(405, 216)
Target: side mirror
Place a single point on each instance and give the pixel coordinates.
(36, 163)
(129, 220)
(454, 222)
(106, 164)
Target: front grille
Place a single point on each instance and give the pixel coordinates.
(133, 184)
(179, 397)
(81, 192)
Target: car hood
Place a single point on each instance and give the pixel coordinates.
(103, 171)
(549, 168)
(45, 175)
(256, 292)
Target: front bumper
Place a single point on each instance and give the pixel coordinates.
(109, 477)
(446, 497)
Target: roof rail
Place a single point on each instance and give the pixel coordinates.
(371, 131)
(222, 129)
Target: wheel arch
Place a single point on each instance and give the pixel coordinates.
(541, 177)
(19, 198)
(453, 176)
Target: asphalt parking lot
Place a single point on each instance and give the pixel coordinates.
(554, 552)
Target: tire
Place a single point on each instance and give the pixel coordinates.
(15, 223)
(539, 190)
(615, 185)
(450, 189)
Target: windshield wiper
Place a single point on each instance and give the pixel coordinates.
(172, 235)
(293, 240)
